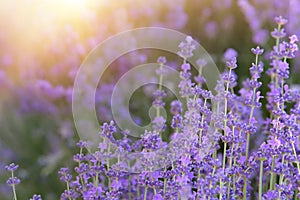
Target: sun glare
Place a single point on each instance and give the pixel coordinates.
(38, 23)
(67, 9)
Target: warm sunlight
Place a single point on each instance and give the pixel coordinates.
(149, 99)
(33, 25)
(66, 9)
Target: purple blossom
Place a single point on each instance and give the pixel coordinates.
(222, 145)
(185, 67)
(261, 36)
(278, 33)
(257, 50)
(151, 140)
(176, 107)
(65, 175)
(162, 60)
(293, 39)
(13, 181)
(82, 144)
(187, 47)
(211, 29)
(256, 70)
(230, 54)
(36, 197)
(280, 20)
(158, 96)
(109, 129)
(231, 64)
(159, 123)
(11, 167)
(158, 197)
(69, 194)
(176, 121)
(201, 62)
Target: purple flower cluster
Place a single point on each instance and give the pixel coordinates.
(260, 13)
(211, 136)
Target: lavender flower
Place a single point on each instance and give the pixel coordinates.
(13, 181)
(280, 20)
(11, 167)
(257, 50)
(213, 137)
(36, 197)
(151, 140)
(230, 54)
(176, 107)
(187, 47)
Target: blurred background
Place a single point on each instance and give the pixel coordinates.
(44, 42)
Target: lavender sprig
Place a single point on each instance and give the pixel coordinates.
(13, 181)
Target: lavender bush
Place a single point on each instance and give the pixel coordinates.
(226, 146)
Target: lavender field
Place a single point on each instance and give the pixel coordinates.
(150, 100)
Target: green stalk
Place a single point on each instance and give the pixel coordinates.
(245, 189)
(294, 150)
(165, 187)
(280, 182)
(251, 113)
(281, 176)
(145, 193)
(165, 184)
(68, 189)
(260, 179)
(225, 124)
(277, 48)
(230, 161)
(248, 134)
(138, 192)
(293, 146)
(224, 156)
(129, 188)
(272, 179)
(13, 186)
(159, 88)
(109, 181)
(200, 137)
(80, 175)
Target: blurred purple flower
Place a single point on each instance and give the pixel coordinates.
(230, 54)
